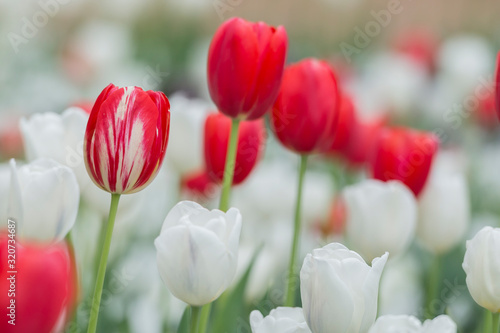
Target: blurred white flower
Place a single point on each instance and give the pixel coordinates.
(381, 217)
(339, 290)
(482, 267)
(279, 320)
(443, 209)
(44, 199)
(197, 251)
(59, 137)
(410, 324)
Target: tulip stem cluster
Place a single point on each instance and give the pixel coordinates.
(292, 285)
(101, 272)
(230, 164)
(494, 321)
(204, 316)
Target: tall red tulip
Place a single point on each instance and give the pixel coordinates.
(406, 155)
(305, 114)
(245, 66)
(497, 84)
(251, 139)
(126, 138)
(346, 124)
(43, 290)
(360, 148)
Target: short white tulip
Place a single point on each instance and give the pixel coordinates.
(44, 198)
(381, 217)
(279, 320)
(197, 251)
(339, 290)
(482, 266)
(410, 324)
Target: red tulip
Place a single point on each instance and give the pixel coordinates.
(336, 220)
(497, 84)
(486, 114)
(360, 148)
(406, 155)
(44, 286)
(198, 185)
(305, 114)
(245, 66)
(126, 138)
(346, 124)
(251, 139)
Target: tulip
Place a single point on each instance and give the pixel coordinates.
(44, 289)
(198, 185)
(44, 199)
(197, 251)
(443, 210)
(497, 84)
(361, 146)
(245, 66)
(346, 124)
(482, 267)
(251, 140)
(305, 115)
(406, 155)
(280, 320)
(410, 324)
(381, 217)
(59, 137)
(339, 290)
(126, 138)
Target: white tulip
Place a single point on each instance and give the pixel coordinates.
(410, 324)
(381, 217)
(197, 251)
(339, 290)
(44, 198)
(280, 320)
(482, 267)
(58, 136)
(443, 210)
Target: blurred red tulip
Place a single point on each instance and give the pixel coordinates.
(335, 224)
(126, 138)
(420, 45)
(360, 148)
(198, 185)
(406, 155)
(306, 112)
(245, 66)
(346, 123)
(486, 114)
(43, 289)
(251, 140)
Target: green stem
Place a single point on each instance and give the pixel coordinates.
(195, 319)
(494, 320)
(433, 285)
(101, 273)
(230, 164)
(291, 288)
(205, 315)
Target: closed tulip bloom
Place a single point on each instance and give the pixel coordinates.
(197, 251)
(346, 124)
(381, 217)
(362, 141)
(339, 290)
(44, 198)
(251, 140)
(443, 211)
(404, 154)
(245, 66)
(305, 114)
(279, 320)
(410, 324)
(45, 286)
(126, 138)
(482, 267)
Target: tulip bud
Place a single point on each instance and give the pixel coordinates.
(59, 137)
(497, 84)
(410, 324)
(45, 279)
(381, 217)
(245, 66)
(339, 290)
(197, 251)
(406, 155)
(443, 210)
(251, 140)
(126, 138)
(305, 114)
(44, 198)
(481, 265)
(280, 320)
